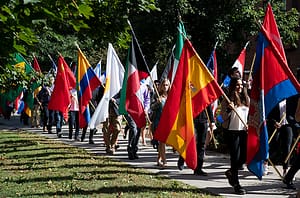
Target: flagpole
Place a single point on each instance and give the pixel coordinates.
(155, 88)
(216, 45)
(276, 129)
(246, 45)
(251, 69)
(293, 147)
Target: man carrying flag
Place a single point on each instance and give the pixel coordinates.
(272, 82)
(60, 98)
(114, 79)
(135, 97)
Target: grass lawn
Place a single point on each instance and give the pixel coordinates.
(34, 166)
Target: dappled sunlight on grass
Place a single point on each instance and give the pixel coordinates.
(34, 166)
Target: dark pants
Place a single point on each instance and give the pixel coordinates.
(237, 143)
(91, 135)
(73, 123)
(293, 170)
(58, 116)
(200, 133)
(286, 139)
(50, 120)
(280, 145)
(45, 115)
(133, 139)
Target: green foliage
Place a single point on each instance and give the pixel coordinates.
(50, 26)
(12, 77)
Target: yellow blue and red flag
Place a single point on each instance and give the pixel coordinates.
(87, 81)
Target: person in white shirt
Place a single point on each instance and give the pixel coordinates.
(235, 115)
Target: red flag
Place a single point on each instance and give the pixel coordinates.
(36, 65)
(193, 89)
(64, 82)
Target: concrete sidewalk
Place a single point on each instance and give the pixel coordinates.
(215, 164)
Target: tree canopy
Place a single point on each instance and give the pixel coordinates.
(50, 26)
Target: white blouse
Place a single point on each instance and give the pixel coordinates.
(235, 122)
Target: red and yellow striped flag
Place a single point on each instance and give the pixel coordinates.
(193, 89)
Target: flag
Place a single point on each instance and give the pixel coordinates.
(36, 65)
(97, 70)
(193, 89)
(131, 97)
(64, 82)
(114, 79)
(167, 73)
(213, 68)
(34, 84)
(54, 66)
(212, 64)
(153, 75)
(87, 81)
(239, 63)
(173, 60)
(178, 48)
(272, 82)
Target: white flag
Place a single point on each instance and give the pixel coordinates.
(153, 75)
(114, 80)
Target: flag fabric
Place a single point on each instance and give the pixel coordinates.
(54, 66)
(178, 48)
(131, 100)
(36, 65)
(153, 75)
(239, 63)
(61, 98)
(212, 65)
(272, 82)
(87, 81)
(114, 80)
(34, 84)
(193, 89)
(167, 73)
(97, 70)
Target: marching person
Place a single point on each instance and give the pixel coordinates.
(156, 108)
(235, 130)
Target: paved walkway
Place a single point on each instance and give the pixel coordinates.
(215, 164)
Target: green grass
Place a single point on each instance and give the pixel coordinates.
(34, 166)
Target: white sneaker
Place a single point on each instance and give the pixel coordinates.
(266, 169)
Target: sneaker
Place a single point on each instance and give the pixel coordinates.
(265, 169)
(238, 189)
(229, 177)
(200, 173)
